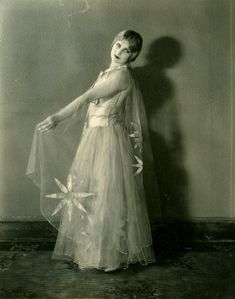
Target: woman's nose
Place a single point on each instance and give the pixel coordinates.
(119, 51)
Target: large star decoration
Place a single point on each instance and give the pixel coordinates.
(68, 197)
(139, 165)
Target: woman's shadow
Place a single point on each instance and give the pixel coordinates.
(159, 93)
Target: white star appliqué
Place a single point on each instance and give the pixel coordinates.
(136, 135)
(139, 165)
(68, 197)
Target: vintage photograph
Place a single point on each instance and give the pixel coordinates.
(117, 149)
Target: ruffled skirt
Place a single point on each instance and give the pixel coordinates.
(107, 227)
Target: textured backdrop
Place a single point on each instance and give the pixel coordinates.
(51, 51)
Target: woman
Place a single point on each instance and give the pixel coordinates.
(101, 214)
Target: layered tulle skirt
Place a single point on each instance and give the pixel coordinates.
(107, 227)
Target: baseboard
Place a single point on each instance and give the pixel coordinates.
(27, 233)
(173, 233)
(200, 233)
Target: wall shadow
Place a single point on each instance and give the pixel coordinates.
(158, 90)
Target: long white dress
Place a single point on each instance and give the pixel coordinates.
(104, 222)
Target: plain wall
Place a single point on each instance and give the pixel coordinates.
(51, 51)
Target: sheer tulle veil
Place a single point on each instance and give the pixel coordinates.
(52, 153)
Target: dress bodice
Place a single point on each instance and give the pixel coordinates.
(105, 111)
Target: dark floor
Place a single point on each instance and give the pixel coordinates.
(26, 271)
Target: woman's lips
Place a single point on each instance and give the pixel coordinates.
(116, 56)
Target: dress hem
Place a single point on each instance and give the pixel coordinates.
(69, 258)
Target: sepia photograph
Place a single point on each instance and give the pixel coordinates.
(117, 172)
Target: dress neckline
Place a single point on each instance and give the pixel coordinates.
(115, 68)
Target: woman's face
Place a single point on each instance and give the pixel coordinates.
(121, 52)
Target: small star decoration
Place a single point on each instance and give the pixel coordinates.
(139, 165)
(136, 136)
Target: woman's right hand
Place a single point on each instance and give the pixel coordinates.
(47, 125)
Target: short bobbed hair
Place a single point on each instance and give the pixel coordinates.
(135, 41)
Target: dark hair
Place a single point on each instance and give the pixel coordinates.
(135, 40)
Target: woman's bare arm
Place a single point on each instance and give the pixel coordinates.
(116, 82)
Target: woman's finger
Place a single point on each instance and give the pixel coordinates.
(44, 128)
